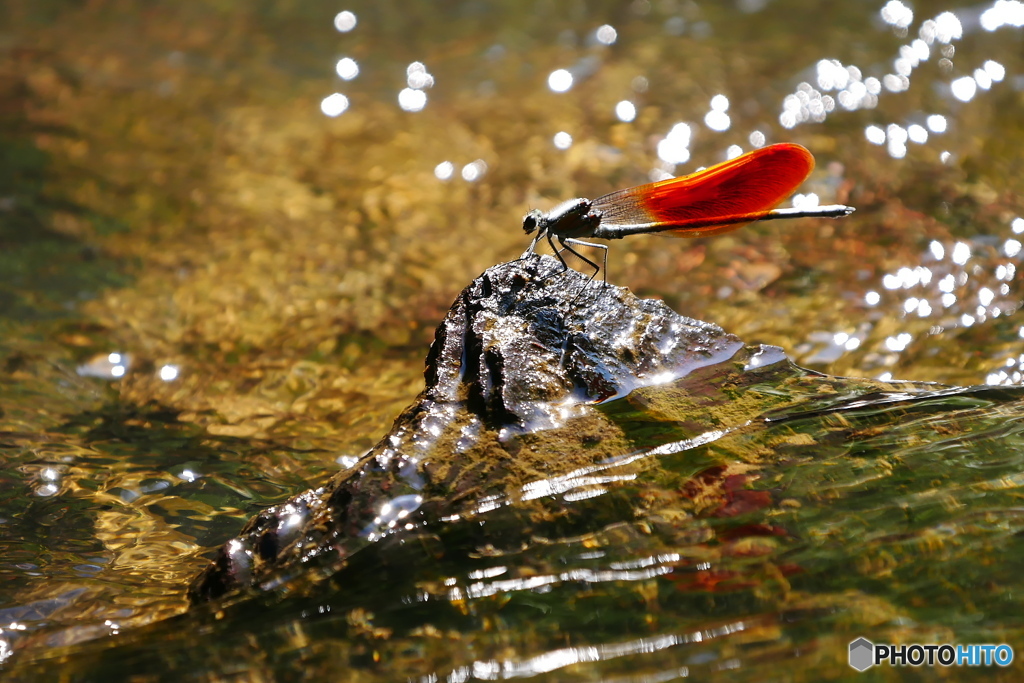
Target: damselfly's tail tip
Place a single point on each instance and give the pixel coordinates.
(835, 210)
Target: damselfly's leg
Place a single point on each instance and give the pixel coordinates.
(604, 254)
(530, 250)
(565, 243)
(558, 253)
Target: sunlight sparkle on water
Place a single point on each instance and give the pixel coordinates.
(756, 139)
(905, 278)
(417, 77)
(1003, 13)
(674, 149)
(961, 253)
(656, 175)
(832, 75)
(560, 80)
(412, 100)
(899, 342)
(562, 140)
(948, 28)
(995, 70)
(911, 57)
(334, 105)
(806, 201)
(474, 171)
(717, 119)
(920, 50)
(853, 90)
(345, 21)
(897, 14)
(896, 136)
(625, 111)
(606, 35)
(806, 104)
(444, 170)
(347, 68)
(895, 82)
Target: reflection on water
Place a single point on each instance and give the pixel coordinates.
(171, 194)
(761, 549)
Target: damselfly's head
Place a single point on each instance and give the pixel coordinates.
(532, 220)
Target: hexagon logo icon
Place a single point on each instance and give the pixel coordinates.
(862, 654)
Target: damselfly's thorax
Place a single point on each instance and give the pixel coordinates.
(572, 218)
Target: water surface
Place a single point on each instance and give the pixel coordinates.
(180, 185)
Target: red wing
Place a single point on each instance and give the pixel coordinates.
(753, 183)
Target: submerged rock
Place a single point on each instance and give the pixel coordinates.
(513, 377)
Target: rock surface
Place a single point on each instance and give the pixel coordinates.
(514, 376)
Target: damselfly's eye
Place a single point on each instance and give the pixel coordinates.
(530, 222)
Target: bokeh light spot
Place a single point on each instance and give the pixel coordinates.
(674, 149)
(412, 100)
(474, 171)
(345, 21)
(936, 123)
(897, 14)
(964, 88)
(560, 80)
(444, 170)
(347, 68)
(334, 105)
(606, 35)
(625, 111)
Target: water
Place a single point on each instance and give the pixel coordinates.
(172, 190)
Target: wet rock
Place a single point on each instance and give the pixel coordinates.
(514, 379)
